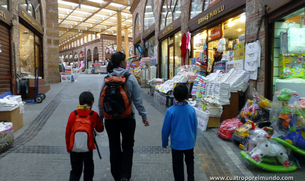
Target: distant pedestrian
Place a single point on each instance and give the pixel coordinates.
(118, 108)
(180, 123)
(80, 137)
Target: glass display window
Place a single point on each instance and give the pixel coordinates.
(30, 51)
(137, 25)
(199, 41)
(164, 58)
(33, 7)
(149, 47)
(149, 17)
(171, 10)
(196, 8)
(289, 52)
(177, 57)
(4, 4)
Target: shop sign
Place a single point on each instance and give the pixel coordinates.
(2, 14)
(211, 14)
(213, 2)
(31, 20)
(216, 33)
(168, 29)
(147, 32)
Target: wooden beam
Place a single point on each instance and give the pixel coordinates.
(67, 16)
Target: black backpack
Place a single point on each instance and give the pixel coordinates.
(115, 99)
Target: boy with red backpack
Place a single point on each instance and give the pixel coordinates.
(80, 137)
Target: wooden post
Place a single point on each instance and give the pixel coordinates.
(119, 31)
(126, 42)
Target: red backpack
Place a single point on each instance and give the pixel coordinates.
(115, 99)
(82, 131)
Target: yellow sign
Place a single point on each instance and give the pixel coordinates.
(211, 14)
(31, 20)
(239, 52)
(168, 29)
(2, 14)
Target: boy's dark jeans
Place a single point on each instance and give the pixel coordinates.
(77, 161)
(121, 158)
(177, 158)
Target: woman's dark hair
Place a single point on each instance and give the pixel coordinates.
(86, 98)
(180, 92)
(115, 61)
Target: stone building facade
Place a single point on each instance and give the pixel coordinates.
(42, 25)
(101, 44)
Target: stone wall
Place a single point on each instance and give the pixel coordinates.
(50, 41)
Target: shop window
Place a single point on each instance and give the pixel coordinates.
(30, 51)
(164, 57)
(33, 7)
(289, 53)
(177, 57)
(199, 43)
(196, 8)
(137, 25)
(149, 47)
(75, 59)
(4, 4)
(71, 58)
(149, 17)
(85, 39)
(95, 54)
(171, 10)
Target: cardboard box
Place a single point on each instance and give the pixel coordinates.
(13, 116)
(213, 122)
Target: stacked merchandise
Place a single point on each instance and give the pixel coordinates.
(222, 92)
(221, 65)
(239, 80)
(199, 87)
(213, 106)
(11, 102)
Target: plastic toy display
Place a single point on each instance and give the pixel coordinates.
(242, 134)
(256, 110)
(266, 153)
(227, 128)
(291, 65)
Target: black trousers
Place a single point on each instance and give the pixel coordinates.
(77, 162)
(121, 151)
(178, 167)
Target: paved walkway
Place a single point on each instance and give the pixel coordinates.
(39, 150)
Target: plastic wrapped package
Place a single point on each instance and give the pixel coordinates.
(6, 135)
(203, 119)
(227, 127)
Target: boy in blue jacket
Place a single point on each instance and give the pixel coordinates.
(180, 123)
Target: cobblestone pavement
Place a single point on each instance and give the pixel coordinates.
(39, 150)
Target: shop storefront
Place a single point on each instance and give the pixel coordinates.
(170, 39)
(216, 32)
(30, 36)
(5, 58)
(149, 29)
(287, 50)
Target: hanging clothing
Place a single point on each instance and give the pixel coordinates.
(183, 47)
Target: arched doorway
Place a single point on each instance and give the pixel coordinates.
(89, 59)
(95, 55)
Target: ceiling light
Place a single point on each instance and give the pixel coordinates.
(239, 30)
(116, 5)
(96, 1)
(89, 7)
(242, 18)
(81, 12)
(66, 3)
